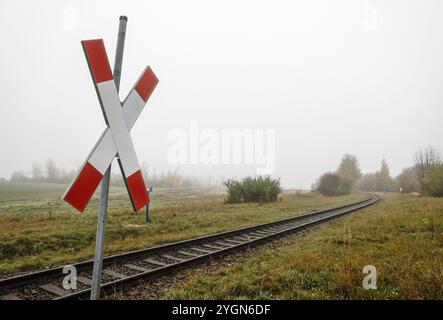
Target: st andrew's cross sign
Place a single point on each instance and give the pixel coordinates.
(116, 138)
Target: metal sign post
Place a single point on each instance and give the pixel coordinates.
(104, 194)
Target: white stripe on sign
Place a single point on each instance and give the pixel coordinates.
(131, 114)
(104, 152)
(120, 131)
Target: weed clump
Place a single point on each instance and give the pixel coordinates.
(253, 189)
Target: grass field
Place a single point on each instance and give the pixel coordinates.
(402, 237)
(13, 191)
(38, 230)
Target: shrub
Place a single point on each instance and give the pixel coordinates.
(331, 184)
(433, 181)
(253, 189)
(235, 190)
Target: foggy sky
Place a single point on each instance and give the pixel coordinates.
(330, 77)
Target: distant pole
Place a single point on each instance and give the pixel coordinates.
(149, 191)
(104, 192)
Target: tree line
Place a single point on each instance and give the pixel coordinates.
(51, 173)
(425, 176)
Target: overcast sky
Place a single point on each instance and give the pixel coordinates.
(330, 77)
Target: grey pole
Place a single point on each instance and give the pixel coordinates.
(104, 192)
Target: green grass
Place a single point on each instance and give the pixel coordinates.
(402, 237)
(38, 230)
(11, 191)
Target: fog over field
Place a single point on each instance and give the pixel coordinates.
(303, 82)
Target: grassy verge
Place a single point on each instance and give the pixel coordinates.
(40, 231)
(402, 237)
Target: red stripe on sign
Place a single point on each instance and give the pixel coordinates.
(146, 84)
(137, 190)
(83, 187)
(97, 59)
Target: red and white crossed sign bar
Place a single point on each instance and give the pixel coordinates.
(116, 138)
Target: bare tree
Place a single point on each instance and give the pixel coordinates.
(37, 173)
(424, 160)
(19, 176)
(52, 172)
(407, 180)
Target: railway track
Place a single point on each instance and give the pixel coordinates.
(121, 269)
